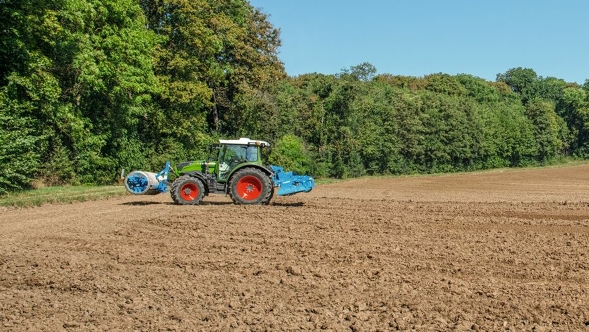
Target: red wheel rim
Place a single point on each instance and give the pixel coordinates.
(249, 187)
(189, 192)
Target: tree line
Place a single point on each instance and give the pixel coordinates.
(357, 122)
(88, 87)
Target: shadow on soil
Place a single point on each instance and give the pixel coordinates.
(144, 203)
(288, 204)
(216, 203)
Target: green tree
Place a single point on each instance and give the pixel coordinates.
(548, 128)
(211, 52)
(290, 152)
(19, 146)
(82, 74)
(363, 72)
(377, 130)
(107, 57)
(574, 109)
(29, 92)
(522, 81)
(445, 84)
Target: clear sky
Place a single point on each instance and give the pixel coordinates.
(421, 37)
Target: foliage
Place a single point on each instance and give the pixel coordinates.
(210, 53)
(19, 152)
(88, 87)
(290, 153)
(548, 128)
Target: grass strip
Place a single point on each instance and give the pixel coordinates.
(56, 195)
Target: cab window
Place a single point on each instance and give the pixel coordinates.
(251, 154)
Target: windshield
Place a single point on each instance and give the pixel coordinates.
(233, 155)
(239, 152)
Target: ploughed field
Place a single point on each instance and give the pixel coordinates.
(501, 250)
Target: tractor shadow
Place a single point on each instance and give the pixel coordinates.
(144, 203)
(216, 203)
(296, 204)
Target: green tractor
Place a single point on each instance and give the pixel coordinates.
(238, 170)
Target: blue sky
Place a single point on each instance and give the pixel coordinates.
(421, 37)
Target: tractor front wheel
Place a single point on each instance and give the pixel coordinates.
(251, 186)
(187, 190)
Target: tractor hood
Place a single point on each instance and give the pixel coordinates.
(202, 166)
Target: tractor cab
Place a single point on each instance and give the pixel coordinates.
(236, 153)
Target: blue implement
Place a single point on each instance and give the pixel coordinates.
(147, 183)
(137, 183)
(289, 183)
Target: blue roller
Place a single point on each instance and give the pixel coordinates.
(138, 182)
(147, 183)
(289, 183)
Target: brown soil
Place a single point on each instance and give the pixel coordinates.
(488, 251)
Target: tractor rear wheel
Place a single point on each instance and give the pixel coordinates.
(187, 190)
(250, 186)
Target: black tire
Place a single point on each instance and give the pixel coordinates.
(187, 190)
(250, 186)
(271, 194)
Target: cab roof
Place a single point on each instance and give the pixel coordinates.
(244, 141)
